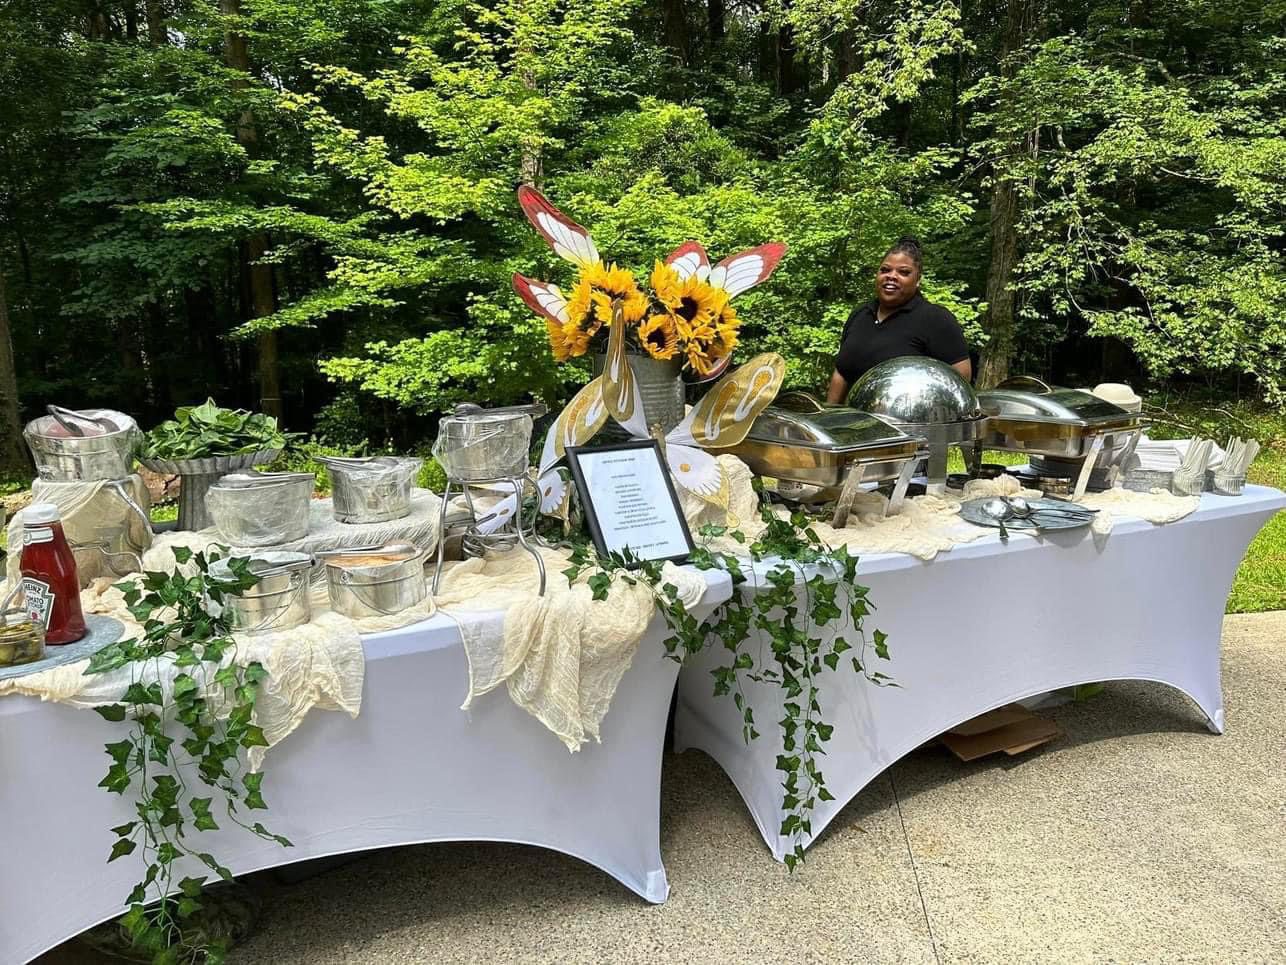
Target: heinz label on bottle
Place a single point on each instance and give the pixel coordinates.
(40, 600)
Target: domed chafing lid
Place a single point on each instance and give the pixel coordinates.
(913, 390)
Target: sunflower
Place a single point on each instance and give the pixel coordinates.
(659, 336)
(588, 310)
(557, 340)
(617, 285)
(692, 300)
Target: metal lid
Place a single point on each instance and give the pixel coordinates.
(838, 429)
(914, 390)
(1061, 406)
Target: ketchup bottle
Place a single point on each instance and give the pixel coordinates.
(49, 580)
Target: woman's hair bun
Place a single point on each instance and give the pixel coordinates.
(910, 247)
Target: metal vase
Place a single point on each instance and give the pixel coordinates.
(660, 384)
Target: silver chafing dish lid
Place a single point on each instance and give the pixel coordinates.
(1062, 406)
(913, 390)
(838, 429)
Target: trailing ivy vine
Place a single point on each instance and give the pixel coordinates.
(810, 608)
(184, 668)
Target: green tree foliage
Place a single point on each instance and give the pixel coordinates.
(367, 158)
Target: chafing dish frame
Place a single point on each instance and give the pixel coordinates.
(1062, 438)
(839, 466)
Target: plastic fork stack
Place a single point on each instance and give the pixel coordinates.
(1241, 453)
(1190, 477)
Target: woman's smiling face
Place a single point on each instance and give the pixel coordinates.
(896, 280)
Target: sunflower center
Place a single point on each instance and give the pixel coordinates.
(688, 308)
(656, 337)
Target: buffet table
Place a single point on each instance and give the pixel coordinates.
(987, 624)
(411, 768)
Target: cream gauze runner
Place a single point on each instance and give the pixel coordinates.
(929, 525)
(562, 655)
(319, 665)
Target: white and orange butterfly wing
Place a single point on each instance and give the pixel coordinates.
(568, 239)
(724, 415)
(541, 297)
(688, 259)
(746, 269)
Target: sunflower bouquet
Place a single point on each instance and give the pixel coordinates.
(686, 315)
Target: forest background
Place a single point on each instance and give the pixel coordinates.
(307, 206)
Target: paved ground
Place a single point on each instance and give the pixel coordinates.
(1137, 837)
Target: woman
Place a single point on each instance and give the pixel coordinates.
(899, 322)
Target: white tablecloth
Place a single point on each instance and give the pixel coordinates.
(987, 624)
(411, 768)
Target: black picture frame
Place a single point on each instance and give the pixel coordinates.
(574, 455)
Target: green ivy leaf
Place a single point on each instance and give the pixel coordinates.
(122, 847)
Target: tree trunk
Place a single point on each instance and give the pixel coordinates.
(716, 13)
(787, 81)
(131, 20)
(156, 32)
(13, 455)
(263, 300)
(674, 21)
(845, 55)
(999, 320)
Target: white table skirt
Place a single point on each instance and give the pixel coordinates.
(986, 624)
(411, 768)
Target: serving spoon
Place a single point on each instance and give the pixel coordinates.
(1022, 509)
(999, 510)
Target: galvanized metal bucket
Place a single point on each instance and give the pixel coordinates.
(377, 589)
(279, 601)
(660, 384)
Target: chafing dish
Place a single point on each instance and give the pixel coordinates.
(836, 447)
(1064, 430)
(926, 399)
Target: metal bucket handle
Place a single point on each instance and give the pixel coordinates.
(299, 584)
(353, 588)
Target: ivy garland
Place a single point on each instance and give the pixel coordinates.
(791, 608)
(212, 697)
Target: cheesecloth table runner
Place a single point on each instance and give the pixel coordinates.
(929, 525)
(562, 655)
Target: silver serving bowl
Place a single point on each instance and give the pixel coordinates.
(912, 390)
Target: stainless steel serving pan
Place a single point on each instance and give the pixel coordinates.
(819, 448)
(1061, 423)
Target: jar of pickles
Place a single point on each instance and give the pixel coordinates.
(22, 640)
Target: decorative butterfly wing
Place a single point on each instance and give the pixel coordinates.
(724, 415)
(541, 297)
(698, 472)
(688, 259)
(621, 394)
(746, 269)
(568, 239)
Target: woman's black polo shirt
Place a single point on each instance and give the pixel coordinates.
(917, 328)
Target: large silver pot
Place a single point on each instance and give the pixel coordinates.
(373, 489)
(70, 445)
(375, 581)
(279, 601)
(484, 445)
(261, 509)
